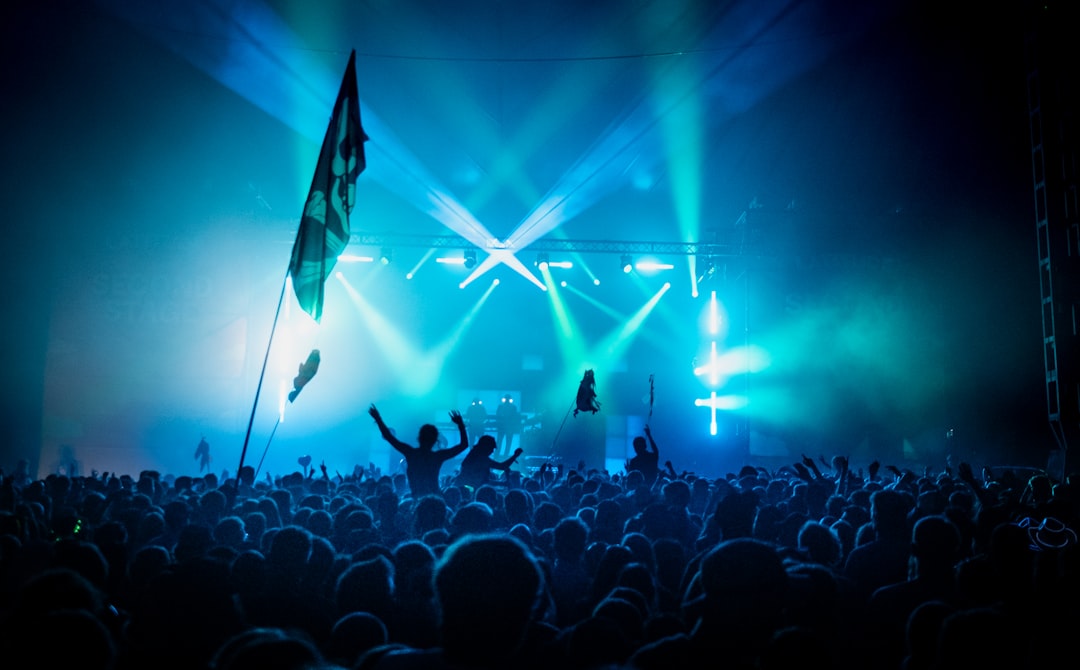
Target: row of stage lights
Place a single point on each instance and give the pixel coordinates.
(468, 259)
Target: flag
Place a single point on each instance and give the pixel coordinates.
(305, 373)
(324, 225)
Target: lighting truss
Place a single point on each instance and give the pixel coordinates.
(731, 248)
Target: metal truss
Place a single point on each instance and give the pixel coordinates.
(712, 249)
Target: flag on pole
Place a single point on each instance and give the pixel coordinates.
(324, 225)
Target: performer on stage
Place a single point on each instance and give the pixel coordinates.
(507, 424)
(476, 417)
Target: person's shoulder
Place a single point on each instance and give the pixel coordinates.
(404, 658)
(672, 651)
(858, 557)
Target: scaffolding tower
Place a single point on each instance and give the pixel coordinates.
(1052, 76)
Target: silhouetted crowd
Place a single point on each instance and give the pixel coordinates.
(815, 565)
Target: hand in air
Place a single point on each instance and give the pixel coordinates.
(455, 416)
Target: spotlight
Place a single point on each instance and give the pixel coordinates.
(653, 266)
(470, 258)
(627, 263)
(386, 256)
(541, 260)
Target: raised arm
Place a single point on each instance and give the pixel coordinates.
(652, 442)
(670, 470)
(385, 430)
(505, 465)
(967, 475)
(463, 444)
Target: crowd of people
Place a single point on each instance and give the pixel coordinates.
(814, 565)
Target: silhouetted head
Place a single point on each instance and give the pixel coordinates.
(744, 573)
(486, 444)
(429, 435)
(473, 518)
(639, 445)
(485, 612)
(354, 634)
(888, 511)
(266, 647)
(935, 540)
(366, 586)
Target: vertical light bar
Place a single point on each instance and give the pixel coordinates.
(714, 366)
(714, 315)
(712, 419)
(711, 402)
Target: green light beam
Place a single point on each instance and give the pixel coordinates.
(442, 350)
(612, 347)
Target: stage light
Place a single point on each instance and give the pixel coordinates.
(651, 266)
(386, 255)
(353, 258)
(541, 260)
(565, 265)
(627, 263)
(470, 258)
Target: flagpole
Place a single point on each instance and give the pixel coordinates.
(262, 375)
(268, 441)
(324, 224)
